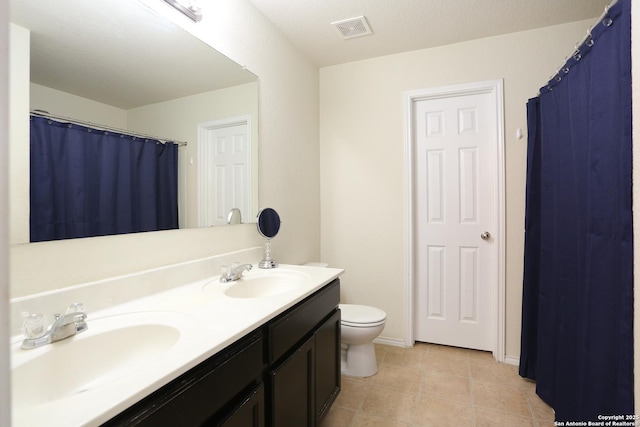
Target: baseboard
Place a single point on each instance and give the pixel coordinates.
(511, 360)
(390, 341)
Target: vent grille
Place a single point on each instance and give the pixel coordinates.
(354, 27)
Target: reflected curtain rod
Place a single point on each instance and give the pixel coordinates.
(46, 114)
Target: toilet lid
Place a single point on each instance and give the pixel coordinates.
(358, 315)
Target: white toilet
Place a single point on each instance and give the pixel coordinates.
(360, 325)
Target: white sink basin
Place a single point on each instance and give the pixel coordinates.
(263, 287)
(259, 283)
(112, 347)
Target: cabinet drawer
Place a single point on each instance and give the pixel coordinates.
(291, 327)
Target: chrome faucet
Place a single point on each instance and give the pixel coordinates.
(62, 327)
(235, 273)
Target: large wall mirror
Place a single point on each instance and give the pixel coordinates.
(116, 63)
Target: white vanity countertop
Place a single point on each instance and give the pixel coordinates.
(209, 321)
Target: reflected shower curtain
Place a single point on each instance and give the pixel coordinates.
(87, 182)
(577, 324)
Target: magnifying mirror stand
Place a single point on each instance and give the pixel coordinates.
(267, 262)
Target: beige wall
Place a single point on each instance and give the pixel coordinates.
(19, 133)
(363, 211)
(288, 162)
(69, 105)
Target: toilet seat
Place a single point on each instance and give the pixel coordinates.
(361, 316)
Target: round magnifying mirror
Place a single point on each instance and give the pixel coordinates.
(268, 223)
(268, 227)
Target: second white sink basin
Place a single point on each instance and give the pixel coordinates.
(266, 283)
(111, 348)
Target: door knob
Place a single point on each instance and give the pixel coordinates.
(485, 235)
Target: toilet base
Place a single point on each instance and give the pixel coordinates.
(359, 360)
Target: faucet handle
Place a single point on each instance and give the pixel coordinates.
(76, 307)
(225, 271)
(34, 325)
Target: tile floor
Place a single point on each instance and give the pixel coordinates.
(433, 385)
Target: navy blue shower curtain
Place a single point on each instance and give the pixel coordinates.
(577, 314)
(87, 182)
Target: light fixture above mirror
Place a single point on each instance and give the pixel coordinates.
(188, 7)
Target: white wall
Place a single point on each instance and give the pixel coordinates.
(5, 380)
(362, 158)
(288, 163)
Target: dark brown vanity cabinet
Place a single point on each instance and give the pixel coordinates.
(305, 384)
(304, 374)
(219, 391)
(285, 373)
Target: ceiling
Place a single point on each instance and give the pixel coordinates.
(405, 25)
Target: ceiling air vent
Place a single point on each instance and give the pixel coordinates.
(354, 27)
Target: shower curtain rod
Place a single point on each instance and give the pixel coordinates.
(586, 37)
(46, 114)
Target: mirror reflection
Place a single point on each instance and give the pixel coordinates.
(118, 64)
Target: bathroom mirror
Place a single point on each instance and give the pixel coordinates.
(268, 223)
(268, 227)
(119, 64)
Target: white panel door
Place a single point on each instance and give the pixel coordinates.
(228, 160)
(455, 152)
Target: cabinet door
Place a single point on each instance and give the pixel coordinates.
(292, 389)
(250, 413)
(327, 354)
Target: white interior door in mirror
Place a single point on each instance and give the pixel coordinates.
(224, 169)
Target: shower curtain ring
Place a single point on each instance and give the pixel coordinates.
(577, 55)
(607, 21)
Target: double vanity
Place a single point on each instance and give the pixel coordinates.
(263, 350)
